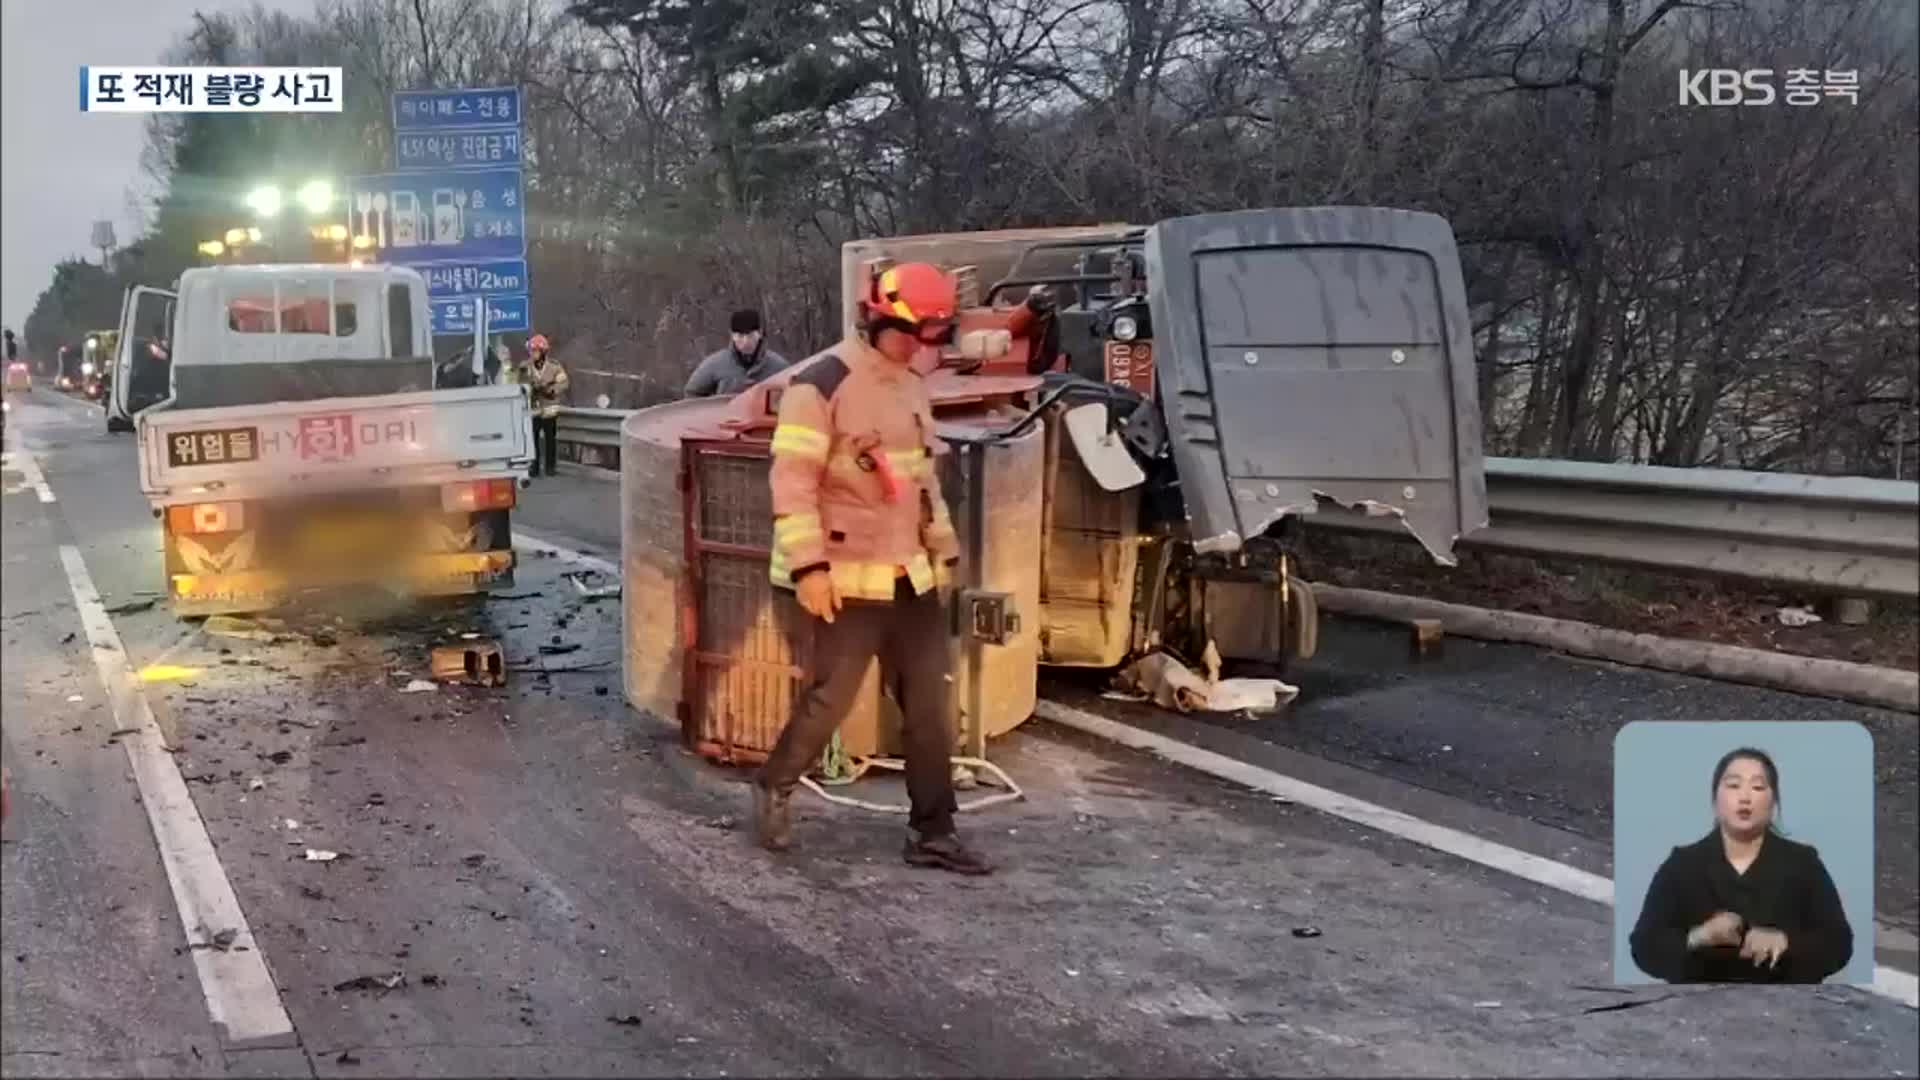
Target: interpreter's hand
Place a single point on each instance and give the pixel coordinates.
(817, 594)
(1764, 946)
(1722, 929)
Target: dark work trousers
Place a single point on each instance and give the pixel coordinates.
(909, 635)
(546, 444)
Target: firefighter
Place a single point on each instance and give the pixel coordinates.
(863, 538)
(547, 383)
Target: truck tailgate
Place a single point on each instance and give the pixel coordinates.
(372, 441)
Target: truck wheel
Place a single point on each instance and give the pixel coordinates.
(117, 426)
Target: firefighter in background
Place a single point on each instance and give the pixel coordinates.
(862, 537)
(546, 382)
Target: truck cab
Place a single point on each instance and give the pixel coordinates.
(294, 432)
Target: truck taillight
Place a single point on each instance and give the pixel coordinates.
(216, 517)
(472, 496)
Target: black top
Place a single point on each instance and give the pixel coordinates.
(1786, 888)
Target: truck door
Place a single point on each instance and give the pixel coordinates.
(1317, 361)
(143, 363)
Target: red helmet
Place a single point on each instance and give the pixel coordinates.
(537, 341)
(917, 294)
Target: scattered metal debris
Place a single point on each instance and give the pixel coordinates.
(321, 855)
(418, 686)
(377, 983)
(132, 607)
(1306, 931)
(479, 663)
(558, 650)
(629, 1020)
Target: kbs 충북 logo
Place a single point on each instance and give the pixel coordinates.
(1762, 86)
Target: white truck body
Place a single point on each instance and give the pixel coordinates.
(429, 437)
(277, 404)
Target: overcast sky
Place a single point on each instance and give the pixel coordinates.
(62, 170)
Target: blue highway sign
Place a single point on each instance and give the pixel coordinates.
(453, 315)
(456, 149)
(415, 110)
(501, 277)
(445, 216)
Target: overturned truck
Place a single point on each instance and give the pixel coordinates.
(1136, 421)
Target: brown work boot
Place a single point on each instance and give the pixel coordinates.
(772, 817)
(945, 852)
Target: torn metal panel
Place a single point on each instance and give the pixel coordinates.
(1317, 353)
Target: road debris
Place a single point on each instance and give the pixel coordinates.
(418, 686)
(74, 699)
(231, 626)
(346, 1058)
(628, 1020)
(377, 983)
(1170, 684)
(1306, 931)
(1796, 616)
(593, 585)
(256, 784)
(222, 941)
(478, 663)
(558, 650)
(321, 855)
(132, 607)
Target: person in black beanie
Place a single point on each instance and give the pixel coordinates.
(745, 361)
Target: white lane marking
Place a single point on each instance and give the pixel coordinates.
(521, 539)
(241, 995)
(22, 462)
(1888, 982)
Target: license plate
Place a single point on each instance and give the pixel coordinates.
(1130, 364)
(225, 446)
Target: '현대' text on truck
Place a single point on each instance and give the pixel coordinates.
(308, 439)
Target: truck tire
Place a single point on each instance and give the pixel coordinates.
(117, 426)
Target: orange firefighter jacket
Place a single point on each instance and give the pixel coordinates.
(855, 490)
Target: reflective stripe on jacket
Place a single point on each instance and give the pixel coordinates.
(548, 383)
(855, 489)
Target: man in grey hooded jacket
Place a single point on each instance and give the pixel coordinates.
(745, 361)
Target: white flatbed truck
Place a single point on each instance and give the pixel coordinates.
(308, 439)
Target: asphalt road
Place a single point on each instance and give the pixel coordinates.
(1507, 729)
(561, 891)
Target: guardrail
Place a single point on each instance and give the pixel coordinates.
(1837, 534)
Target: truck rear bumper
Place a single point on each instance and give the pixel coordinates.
(260, 590)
